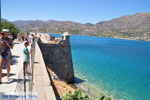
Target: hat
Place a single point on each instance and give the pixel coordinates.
(26, 43)
(5, 30)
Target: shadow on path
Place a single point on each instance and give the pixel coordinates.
(14, 59)
(36, 62)
(16, 43)
(5, 74)
(20, 81)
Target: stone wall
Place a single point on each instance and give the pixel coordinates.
(58, 58)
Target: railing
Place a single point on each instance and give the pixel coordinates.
(25, 85)
(31, 66)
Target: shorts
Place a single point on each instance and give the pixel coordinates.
(7, 55)
(8, 58)
(25, 63)
(1, 56)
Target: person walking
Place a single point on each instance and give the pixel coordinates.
(6, 53)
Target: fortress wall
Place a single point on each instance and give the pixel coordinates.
(58, 58)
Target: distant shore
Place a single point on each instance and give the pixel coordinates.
(137, 38)
(117, 37)
(125, 38)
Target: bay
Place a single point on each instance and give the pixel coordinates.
(119, 68)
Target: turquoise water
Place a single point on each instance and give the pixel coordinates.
(121, 67)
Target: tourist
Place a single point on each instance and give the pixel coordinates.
(33, 38)
(26, 61)
(1, 58)
(26, 39)
(22, 37)
(19, 38)
(30, 38)
(6, 52)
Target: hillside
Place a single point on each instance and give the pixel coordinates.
(135, 26)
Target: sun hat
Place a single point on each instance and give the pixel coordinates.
(5, 30)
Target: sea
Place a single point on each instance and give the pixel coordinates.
(118, 68)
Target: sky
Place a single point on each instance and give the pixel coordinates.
(83, 11)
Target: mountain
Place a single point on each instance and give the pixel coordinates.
(129, 25)
(135, 26)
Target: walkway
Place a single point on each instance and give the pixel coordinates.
(41, 79)
(41, 83)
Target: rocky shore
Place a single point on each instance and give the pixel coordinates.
(61, 86)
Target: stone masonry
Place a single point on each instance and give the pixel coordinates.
(57, 56)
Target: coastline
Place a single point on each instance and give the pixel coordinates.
(124, 38)
(62, 88)
(129, 38)
(93, 91)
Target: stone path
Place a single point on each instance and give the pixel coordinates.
(42, 85)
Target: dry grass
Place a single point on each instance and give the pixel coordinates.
(61, 86)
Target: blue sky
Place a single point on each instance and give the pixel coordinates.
(82, 11)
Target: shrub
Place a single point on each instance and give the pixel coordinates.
(78, 95)
(103, 97)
